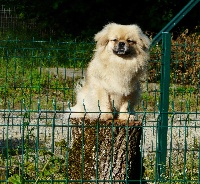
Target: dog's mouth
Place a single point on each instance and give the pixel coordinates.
(121, 52)
(121, 49)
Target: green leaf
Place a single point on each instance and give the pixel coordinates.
(15, 179)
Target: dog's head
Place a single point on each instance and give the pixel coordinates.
(122, 40)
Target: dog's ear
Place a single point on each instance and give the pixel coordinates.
(145, 41)
(102, 37)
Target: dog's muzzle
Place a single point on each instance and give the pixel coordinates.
(121, 49)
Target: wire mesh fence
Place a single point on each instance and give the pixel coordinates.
(10, 21)
(39, 78)
(13, 23)
(7, 20)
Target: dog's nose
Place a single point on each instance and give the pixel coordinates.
(121, 44)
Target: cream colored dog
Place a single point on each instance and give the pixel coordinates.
(112, 84)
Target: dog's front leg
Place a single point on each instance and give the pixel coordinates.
(126, 111)
(105, 106)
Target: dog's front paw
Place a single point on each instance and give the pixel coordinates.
(126, 116)
(106, 116)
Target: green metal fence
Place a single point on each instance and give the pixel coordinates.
(38, 79)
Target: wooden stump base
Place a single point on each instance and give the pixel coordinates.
(105, 151)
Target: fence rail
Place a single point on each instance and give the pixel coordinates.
(191, 4)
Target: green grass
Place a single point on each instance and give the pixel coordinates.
(176, 171)
(32, 87)
(25, 76)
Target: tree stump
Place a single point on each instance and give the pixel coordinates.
(105, 151)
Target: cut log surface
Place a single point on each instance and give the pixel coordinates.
(105, 151)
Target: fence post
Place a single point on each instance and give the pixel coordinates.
(164, 106)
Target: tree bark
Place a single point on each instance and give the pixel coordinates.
(105, 151)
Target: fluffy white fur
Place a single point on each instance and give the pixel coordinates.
(113, 76)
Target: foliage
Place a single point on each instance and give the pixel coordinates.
(15, 179)
(185, 66)
(87, 17)
(185, 59)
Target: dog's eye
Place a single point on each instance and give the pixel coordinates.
(131, 41)
(114, 40)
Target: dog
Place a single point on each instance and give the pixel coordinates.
(112, 83)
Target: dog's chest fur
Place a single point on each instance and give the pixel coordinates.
(116, 77)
